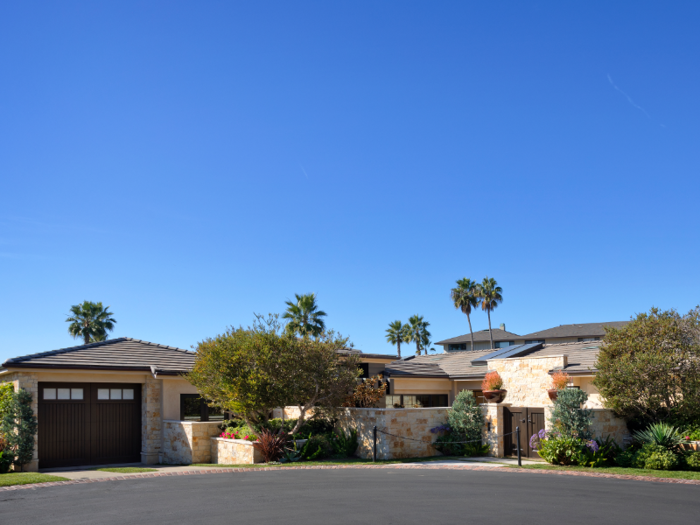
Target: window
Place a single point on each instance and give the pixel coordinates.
(503, 344)
(586, 339)
(417, 401)
(461, 346)
(115, 394)
(365, 370)
(63, 394)
(535, 342)
(194, 408)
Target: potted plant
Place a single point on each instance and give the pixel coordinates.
(559, 381)
(492, 387)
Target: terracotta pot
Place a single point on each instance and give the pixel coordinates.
(494, 396)
(553, 393)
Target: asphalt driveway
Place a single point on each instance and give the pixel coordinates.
(383, 496)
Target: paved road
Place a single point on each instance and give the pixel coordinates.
(382, 496)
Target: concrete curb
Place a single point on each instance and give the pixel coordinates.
(340, 467)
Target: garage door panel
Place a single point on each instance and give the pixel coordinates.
(77, 428)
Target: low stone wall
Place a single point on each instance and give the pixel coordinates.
(413, 423)
(605, 423)
(234, 452)
(186, 442)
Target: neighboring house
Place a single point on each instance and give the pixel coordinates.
(120, 401)
(435, 380)
(566, 333)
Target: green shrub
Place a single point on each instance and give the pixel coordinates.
(562, 450)
(466, 420)
(692, 461)
(692, 432)
(5, 461)
(476, 449)
(661, 460)
(317, 447)
(344, 445)
(625, 458)
(18, 427)
(567, 415)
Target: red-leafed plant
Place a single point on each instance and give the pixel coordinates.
(271, 445)
(492, 381)
(560, 379)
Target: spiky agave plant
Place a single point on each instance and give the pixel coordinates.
(661, 434)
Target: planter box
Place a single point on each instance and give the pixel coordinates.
(237, 451)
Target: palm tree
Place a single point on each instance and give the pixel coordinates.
(91, 321)
(398, 333)
(418, 330)
(304, 316)
(489, 294)
(465, 297)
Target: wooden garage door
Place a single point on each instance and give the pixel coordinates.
(530, 421)
(89, 424)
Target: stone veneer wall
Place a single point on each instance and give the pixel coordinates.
(409, 422)
(186, 442)
(28, 381)
(605, 423)
(234, 452)
(527, 379)
(151, 420)
(493, 428)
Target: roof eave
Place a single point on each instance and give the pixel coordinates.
(89, 367)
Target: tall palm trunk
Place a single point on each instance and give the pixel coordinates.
(398, 348)
(488, 311)
(471, 331)
(417, 346)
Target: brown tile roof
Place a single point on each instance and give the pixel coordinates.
(363, 354)
(481, 336)
(575, 330)
(122, 353)
(458, 365)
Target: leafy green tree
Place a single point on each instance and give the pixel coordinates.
(567, 415)
(418, 331)
(251, 371)
(398, 333)
(649, 370)
(19, 426)
(466, 418)
(305, 319)
(489, 294)
(91, 321)
(465, 298)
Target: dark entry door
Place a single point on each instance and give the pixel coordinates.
(530, 421)
(89, 424)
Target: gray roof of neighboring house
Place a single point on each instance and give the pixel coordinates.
(363, 354)
(458, 365)
(481, 336)
(122, 353)
(576, 330)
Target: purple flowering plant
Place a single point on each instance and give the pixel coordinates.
(440, 428)
(536, 438)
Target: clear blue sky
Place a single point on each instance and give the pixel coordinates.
(190, 163)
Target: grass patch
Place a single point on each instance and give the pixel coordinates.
(126, 470)
(672, 474)
(26, 478)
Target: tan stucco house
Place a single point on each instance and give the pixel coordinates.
(121, 401)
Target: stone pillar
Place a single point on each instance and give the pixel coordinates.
(494, 428)
(151, 420)
(29, 381)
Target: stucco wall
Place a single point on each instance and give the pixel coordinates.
(186, 442)
(413, 423)
(172, 388)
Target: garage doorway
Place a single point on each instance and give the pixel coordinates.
(89, 424)
(530, 421)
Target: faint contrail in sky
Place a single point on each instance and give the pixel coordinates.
(302, 169)
(629, 99)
